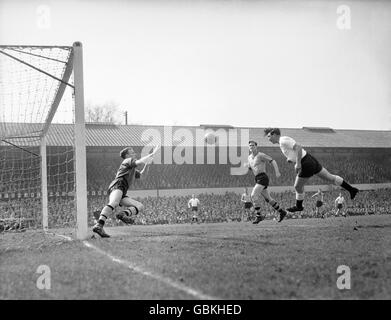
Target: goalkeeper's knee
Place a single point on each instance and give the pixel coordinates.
(134, 210)
(140, 208)
(131, 211)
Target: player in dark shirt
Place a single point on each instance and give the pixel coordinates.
(118, 188)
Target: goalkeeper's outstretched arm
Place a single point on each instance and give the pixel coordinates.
(147, 158)
(145, 167)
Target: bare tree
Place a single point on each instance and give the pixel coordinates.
(106, 112)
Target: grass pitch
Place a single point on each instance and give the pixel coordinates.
(295, 259)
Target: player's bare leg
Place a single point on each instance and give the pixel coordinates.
(132, 208)
(256, 198)
(266, 194)
(337, 180)
(299, 188)
(250, 214)
(114, 200)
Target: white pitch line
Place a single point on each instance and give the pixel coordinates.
(168, 281)
(59, 235)
(302, 225)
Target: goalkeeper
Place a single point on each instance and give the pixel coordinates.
(118, 188)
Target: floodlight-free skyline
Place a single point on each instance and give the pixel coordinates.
(241, 63)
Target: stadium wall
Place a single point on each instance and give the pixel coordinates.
(240, 190)
(189, 192)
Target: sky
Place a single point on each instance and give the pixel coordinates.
(288, 64)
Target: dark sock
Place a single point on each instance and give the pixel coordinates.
(347, 186)
(276, 207)
(102, 221)
(299, 203)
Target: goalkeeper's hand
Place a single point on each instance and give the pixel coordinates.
(147, 162)
(156, 149)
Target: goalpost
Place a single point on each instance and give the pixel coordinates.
(42, 165)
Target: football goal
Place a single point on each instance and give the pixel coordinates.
(42, 168)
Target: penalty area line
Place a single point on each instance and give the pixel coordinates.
(190, 291)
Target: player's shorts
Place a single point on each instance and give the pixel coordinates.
(339, 205)
(194, 208)
(120, 185)
(248, 205)
(319, 203)
(309, 166)
(262, 179)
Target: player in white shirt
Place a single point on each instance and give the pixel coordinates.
(305, 167)
(319, 203)
(257, 164)
(339, 202)
(193, 204)
(246, 199)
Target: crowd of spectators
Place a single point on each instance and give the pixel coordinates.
(228, 207)
(174, 176)
(173, 210)
(214, 208)
(61, 211)
(355, 170)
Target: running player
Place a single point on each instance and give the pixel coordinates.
(193, 204)
(246, 199)
(305, 167)
(257, 164)
(339, 202)
(319, 203)
(118, 188)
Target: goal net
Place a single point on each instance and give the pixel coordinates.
(39, 87)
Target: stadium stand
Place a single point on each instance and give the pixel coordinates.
(174, 176)
(360, 156)
(214, 208)
(204, 175)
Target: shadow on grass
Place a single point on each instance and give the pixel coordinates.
(386, 226)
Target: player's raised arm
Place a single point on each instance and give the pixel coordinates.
(275, 166)
(143, 169)
(147, 162)
(148, 157)
(272, 162)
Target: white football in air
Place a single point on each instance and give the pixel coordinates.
(210, 138)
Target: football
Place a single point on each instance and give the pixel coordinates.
(210, 138)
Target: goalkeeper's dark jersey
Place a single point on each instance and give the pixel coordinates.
(126, 172)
